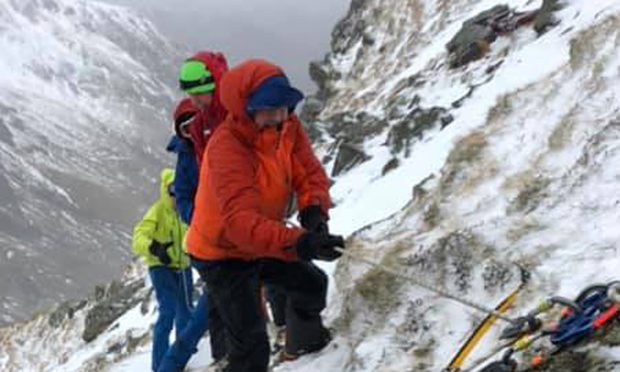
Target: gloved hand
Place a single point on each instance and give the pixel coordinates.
(313, 245)
(312, 219)
(160, 251)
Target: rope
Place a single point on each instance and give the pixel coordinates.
(429, 287)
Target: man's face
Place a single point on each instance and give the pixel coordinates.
(202, 101)
(271, 116)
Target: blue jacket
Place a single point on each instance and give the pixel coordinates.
(186, 179)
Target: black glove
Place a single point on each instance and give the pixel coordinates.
(313, 245)
(160, 251)
(312, 219)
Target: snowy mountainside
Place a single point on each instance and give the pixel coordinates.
(84, 105)
(453, 175)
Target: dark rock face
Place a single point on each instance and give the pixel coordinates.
(350, 29)
(348, 156)
(354, 127)
(544, 18)
(414, 125)
(319, 74)
(113, 301)
(311, 109)
(472, 41)
(390, 166)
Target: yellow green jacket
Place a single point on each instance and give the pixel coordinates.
(161, 223)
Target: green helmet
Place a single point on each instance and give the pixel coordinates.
(195, 78)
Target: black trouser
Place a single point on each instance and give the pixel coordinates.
(276, 296)
(234, 286)
(217, 329)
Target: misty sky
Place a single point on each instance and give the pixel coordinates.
(290, 33)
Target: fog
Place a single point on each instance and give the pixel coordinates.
(289, 33)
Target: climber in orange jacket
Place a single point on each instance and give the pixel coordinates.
(256, 161)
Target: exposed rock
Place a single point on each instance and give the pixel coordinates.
(390, 165)
(144, 306)
(115, 300)
(65, 310)
(350, 29)
(399, 106)
(348, 157)
(469, 52)
(354, 128)
(311, 109)
(415, 81)
(544, 18)
(414, 125)
(469, 34)
(318, 74)
(473, 40)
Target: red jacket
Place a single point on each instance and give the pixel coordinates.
(207, 121)
(249, 176)
(184, 107)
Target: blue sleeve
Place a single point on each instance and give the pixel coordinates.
(185, 184)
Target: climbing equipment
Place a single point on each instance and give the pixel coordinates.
(594, 308)
(486, 324)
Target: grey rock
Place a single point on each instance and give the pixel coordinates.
(65, 310)
(414, 125)
(318, 73)
(117, 298)
(355, 128)
(348, 157)
(390, 166)
(311, 109)
(545, 18)
(472, 40)
(350, 29)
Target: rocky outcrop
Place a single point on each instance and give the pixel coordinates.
(65, 310)
(113, 300)
(347, 157)
(476, 35)
(473, 40)
(545, 18)
(354, 127)
(414, 125)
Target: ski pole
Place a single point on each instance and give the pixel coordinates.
(429, 287)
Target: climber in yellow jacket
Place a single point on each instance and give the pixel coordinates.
(158, 238)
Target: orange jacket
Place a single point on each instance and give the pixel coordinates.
(249, 175)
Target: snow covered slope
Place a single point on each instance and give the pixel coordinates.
(452, 175)
(85, 99)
